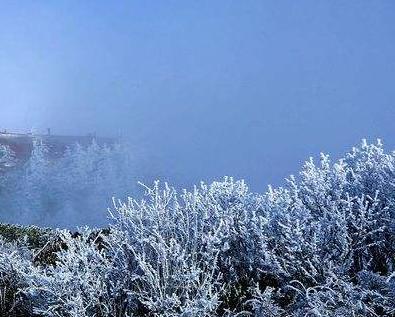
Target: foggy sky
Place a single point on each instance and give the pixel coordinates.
(204, 89)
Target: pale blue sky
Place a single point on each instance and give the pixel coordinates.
(204, 88)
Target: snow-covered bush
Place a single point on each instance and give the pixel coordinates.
(322, 245)
(263, 303)
(15, 261)
(170, 246)
(78, 283)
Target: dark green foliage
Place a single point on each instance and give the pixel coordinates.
(34, 237)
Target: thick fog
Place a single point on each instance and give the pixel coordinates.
(203, 89)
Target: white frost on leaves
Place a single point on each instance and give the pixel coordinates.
(322, 245)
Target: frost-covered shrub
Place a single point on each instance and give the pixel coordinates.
(78, 283)
(159, 259)
(170, 249)
(264, 304)
(15, 261)
(358, 194)
(322, 245)
(32, 236)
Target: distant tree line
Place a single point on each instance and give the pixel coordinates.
(73, 189)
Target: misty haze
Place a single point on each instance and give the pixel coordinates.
(197, 158)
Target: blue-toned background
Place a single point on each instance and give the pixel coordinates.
(204, 88)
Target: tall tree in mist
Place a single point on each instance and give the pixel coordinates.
(74, 189)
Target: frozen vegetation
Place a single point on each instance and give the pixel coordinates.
(68, 191)
(322, 245)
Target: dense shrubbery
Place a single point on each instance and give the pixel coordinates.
(323, 245)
